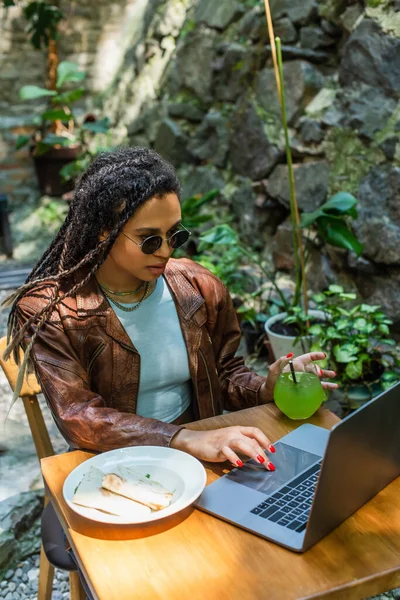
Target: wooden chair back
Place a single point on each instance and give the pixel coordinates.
(41, 438)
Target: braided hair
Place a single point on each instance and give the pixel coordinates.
(107, 194)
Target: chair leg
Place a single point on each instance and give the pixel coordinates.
(76, 590)
(46, 576)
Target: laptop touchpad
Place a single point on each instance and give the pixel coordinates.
(289, 463)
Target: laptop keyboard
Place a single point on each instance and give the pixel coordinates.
(291, 506)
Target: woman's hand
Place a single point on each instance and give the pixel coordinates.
(222, 444)
(267, 389)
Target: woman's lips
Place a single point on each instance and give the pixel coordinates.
(157, 269)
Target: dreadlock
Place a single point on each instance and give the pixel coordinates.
(124, 178)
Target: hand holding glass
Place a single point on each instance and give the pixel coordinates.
(298, 396)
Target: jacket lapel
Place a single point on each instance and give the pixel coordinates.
(90, 301)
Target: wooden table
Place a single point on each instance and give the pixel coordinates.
(194, 556)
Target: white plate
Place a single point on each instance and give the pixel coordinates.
(174, 469)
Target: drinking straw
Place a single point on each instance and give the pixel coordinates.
(292, 370)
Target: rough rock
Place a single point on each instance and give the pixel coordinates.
(378, 223)
(298, 11)
(301, 79)
(171, 143)
(382, 290)
(184, 110)
(365, 109)
(218, 15)
(211, 141)
(317, 57)
(194, 59)
(314, 37)
(310, 131)
(252, 25)
(169, 22)
(232, 70)
(252, 154)
(253, 221)
(311, 180)
(371, 57)
(350, 17)
(285, 30)
(18, 520)
(199, 180)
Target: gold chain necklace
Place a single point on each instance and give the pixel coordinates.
(130, 308)
(106, 289)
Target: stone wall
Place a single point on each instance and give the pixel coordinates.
(214, 113)
(97, 34)
(194, 80)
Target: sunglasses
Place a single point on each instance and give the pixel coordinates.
(154, 242)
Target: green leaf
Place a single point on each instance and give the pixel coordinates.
(360, 323)
(341, 203)
(72, 169)
(336, 233)
(315, 330)
(191, 205)
(390, 342)
(68, 97)
(22, 140)
(384, 329)
(7, 3)
(56, 115)
(348, 296)
(31, 92)
(220, 234)
(319, 298)
(56, 140)
(354, 370)
(369, 308)
(336, 289)
(342, 324)
(308, 219)
(346, 353)
(43, 19)
(68, 72)
(101, 126)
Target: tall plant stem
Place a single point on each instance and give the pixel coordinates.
(294, 209)
(273, 47)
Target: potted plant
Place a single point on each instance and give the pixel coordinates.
(329, 221)
(61, 144)
(357, 340)
(327, 225)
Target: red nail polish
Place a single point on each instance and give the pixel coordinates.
(271, 467)
(260, 458)
(272, 449)
(290, 355)
(239, 463)
(334, 373)
(324, 353)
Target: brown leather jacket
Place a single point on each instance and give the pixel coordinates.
(89, 369)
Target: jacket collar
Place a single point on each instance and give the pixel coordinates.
(90, 301)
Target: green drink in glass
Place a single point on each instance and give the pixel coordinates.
(302, 399)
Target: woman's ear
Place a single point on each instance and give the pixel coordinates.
(103, 235)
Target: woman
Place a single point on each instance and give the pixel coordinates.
(127, 343)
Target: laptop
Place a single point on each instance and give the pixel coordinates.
(322, 477)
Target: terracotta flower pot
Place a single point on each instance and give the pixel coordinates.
(48, 167)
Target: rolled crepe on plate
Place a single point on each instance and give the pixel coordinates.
(90, 494)
(136, 486)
